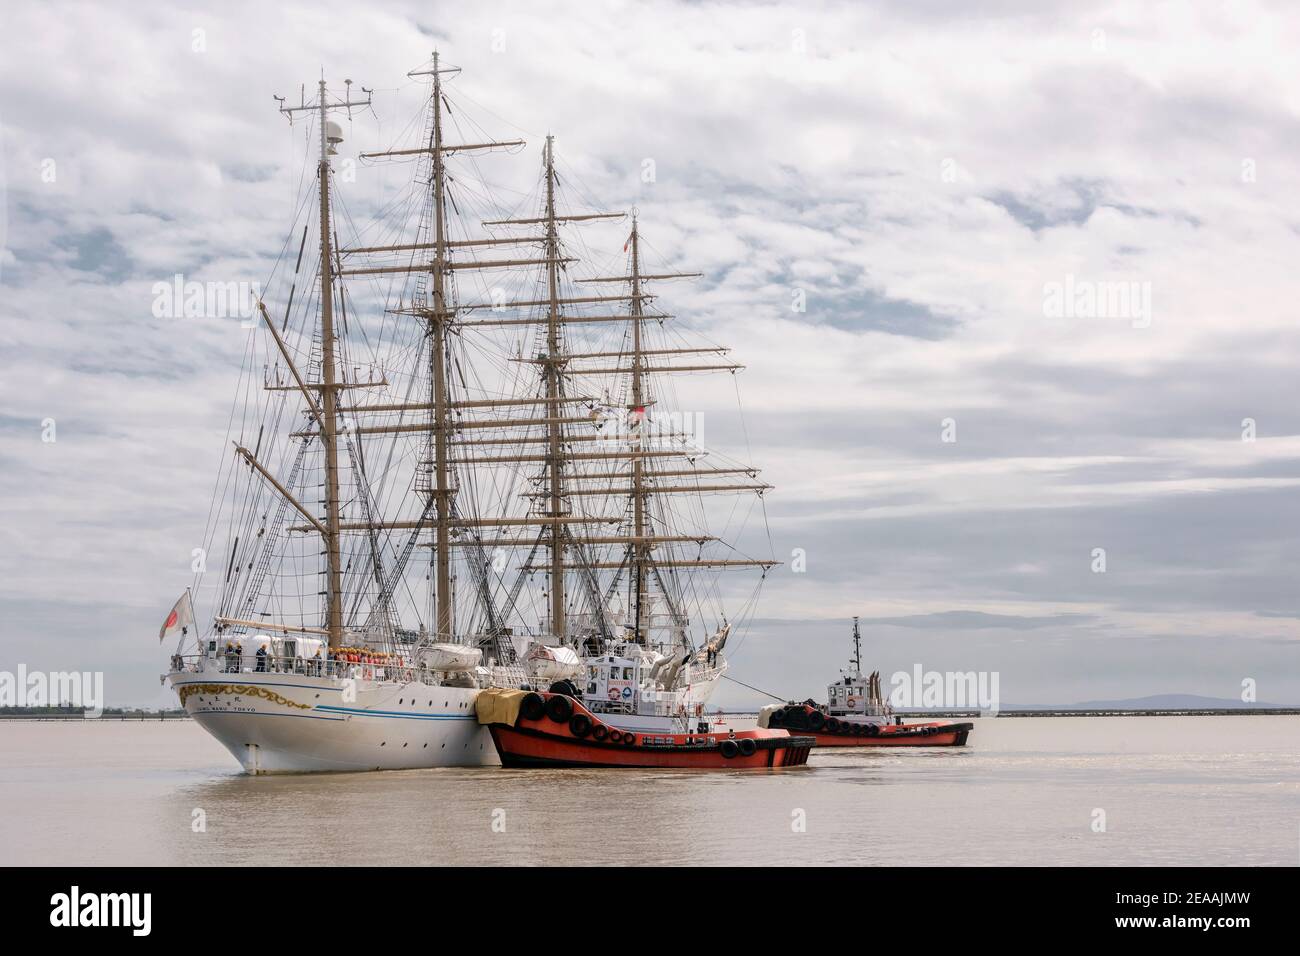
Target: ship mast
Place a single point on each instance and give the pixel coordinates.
(640, 549)
(329, 385)
(553, 394)
(643, 481)
(329, 399)
(438, 318)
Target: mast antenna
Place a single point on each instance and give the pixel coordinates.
(857, 648)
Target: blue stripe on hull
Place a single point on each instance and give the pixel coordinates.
(390, 713)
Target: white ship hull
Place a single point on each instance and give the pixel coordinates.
(296, 723)
(702, 685)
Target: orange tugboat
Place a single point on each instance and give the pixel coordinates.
(856, 715)
(533, 729)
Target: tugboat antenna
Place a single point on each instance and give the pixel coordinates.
(857, 648)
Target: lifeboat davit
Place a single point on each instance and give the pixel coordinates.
(532, 729)
(853, 731)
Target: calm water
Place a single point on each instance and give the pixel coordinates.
(1194, 790)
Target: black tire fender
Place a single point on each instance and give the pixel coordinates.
(532, 707)
(579, 725)
(559, 708)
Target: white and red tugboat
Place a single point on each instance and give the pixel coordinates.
(857, 715)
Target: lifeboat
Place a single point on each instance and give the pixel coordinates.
(533, 729)
(858, 731)
(452, 658)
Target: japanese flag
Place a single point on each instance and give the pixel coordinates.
(179, 620)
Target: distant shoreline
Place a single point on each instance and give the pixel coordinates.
(154, 715)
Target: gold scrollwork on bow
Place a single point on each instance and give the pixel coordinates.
(239, 690)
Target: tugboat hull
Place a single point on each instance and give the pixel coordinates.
(552, 730)
(851, 731)
(905, 735)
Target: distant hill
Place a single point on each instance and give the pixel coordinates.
(1171, 702)
(1154, 702)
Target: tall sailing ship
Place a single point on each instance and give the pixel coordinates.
(457, 463)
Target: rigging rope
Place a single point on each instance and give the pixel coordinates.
(755, 689)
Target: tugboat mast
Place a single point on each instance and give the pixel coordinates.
(857, 649)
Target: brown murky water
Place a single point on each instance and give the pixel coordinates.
(1194, 790)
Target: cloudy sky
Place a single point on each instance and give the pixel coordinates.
(926, 178)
